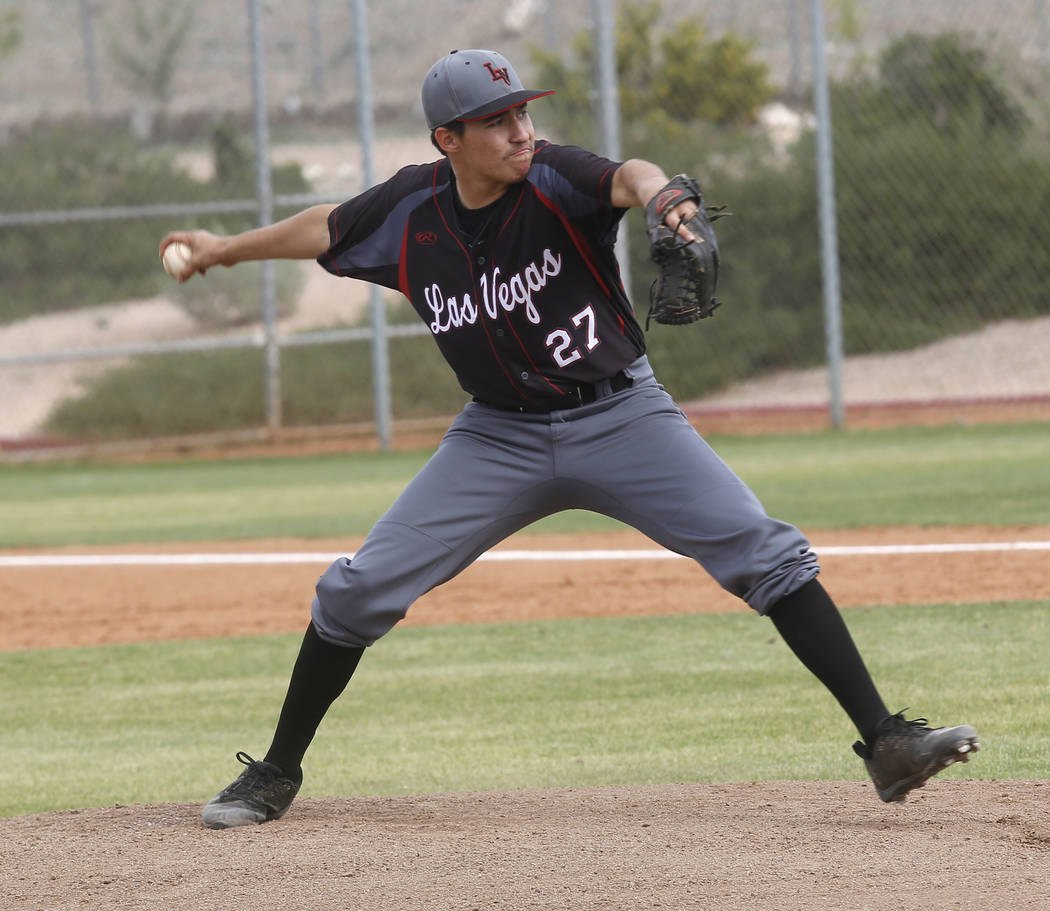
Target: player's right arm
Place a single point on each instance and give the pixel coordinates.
(302, 236)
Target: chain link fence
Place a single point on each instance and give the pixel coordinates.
(120, 121)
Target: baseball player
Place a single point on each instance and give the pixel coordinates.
(504, 246)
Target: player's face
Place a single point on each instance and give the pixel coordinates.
(500, 148)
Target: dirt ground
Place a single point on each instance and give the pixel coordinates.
(43, 607)
(973, 844)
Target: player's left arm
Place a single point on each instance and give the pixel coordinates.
(637, 181)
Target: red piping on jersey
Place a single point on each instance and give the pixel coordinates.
(495, 354)
(402, 266)
(444, 221)
(619, 316)
(532, 363)
(513, 212)
(577, 240)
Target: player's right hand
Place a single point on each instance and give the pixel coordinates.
(205, 251)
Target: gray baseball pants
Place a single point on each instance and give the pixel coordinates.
(631, 455)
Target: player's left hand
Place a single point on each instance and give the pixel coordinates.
(683, 245)
(678, 218)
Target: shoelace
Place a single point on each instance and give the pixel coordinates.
(253, 775)
(898, 724)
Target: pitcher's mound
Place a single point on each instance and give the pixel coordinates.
(781, 845)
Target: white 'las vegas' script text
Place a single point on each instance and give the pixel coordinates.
(496, 294)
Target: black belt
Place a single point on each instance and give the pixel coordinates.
(575, 396)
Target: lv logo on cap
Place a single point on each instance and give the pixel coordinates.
(497, 72)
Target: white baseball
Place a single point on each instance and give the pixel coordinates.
(176, 255)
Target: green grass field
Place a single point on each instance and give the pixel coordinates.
(919, 476)
(574, 702)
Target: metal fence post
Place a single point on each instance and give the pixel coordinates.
(1042, 26)
(609, 109)
(829, 256)
(264, 191)
(87, 35)
(317, 76)
(380, 355)
(795, 52)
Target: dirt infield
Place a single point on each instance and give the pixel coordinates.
(975, 845)
(48, 606)
(786, 845)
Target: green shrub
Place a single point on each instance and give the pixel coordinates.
(10, 32)
(936, 189)
(231, 297)
(769, 282)
(64, 266)
(177, 394)
(169, 394)
(941, 210)
(938, 210)
(669, 77)
(67, 265)
(943, 80)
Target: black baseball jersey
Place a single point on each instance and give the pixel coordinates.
(524, 306)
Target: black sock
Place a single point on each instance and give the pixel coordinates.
(321, 673)
(813, 628)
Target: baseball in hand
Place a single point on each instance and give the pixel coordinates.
(176, 255)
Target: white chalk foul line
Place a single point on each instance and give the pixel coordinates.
(498, 556)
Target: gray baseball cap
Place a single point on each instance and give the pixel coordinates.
(469, 85)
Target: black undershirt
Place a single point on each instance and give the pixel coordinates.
(474, 221)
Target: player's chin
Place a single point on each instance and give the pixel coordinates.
(520, 163)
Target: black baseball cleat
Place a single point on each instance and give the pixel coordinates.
(906, 754)
(260, 793)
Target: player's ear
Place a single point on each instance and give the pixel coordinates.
(446, 140)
